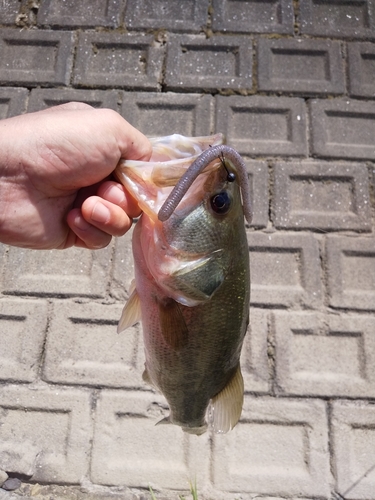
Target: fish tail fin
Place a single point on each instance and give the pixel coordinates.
(225, 408)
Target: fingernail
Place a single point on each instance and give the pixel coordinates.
(80, 223)
(100, 213)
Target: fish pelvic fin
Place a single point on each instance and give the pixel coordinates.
(173, 325)
(131, 313)
(225, 408)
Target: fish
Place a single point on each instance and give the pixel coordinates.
(192, 277)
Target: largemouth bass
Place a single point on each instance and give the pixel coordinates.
(192, 283)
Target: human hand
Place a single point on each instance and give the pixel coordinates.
(55, 185)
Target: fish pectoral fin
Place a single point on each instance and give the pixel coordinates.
(131, 313)
(172, 324)
(225, 408)
(200, 279)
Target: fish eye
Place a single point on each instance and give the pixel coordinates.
(221, 202)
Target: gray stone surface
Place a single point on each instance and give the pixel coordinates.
(253, 16)
(85, 13)
(12, 101)
(343, 128)
(300, 66)
(45, 98)
(342, 19)
(322, 197)
(219, 62)
(361, 58)
(35, 57)
(190, 16)
(262, 126)
(117, 60)
(76, 420)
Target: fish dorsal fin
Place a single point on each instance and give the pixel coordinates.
(131, 313)
(172, 324)
(226, 407)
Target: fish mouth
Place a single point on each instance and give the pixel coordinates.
(151, 182)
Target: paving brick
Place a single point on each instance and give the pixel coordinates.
(279, 447)
(320, 355)
(166, 14)
(35, 57)
(53, 273)
(351, 272)
(354, 19)
(129, 450)
(284, 269)
(353, 448)
(12, 101)
(361, 58)
(343, 129)
(254, 360)
(84, 348)
(300, 66)
(8, 11)
(20, 352)
(85, 13)
(258, 179)
(258, 125)
(118, 60)
(158, 114)
(322, 196)
(253, 16)
(45, 98)
(219, 62)
(45, 433)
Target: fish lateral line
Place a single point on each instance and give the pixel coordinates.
(204, 159)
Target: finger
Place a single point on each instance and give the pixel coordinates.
(87, 236)
(106, 216)
(117, 194)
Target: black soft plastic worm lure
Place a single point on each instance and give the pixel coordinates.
(196, 168)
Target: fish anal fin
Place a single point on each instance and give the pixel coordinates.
(172, 324)
(131, 313)
(226, 407)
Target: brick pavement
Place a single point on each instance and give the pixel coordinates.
(291, 83)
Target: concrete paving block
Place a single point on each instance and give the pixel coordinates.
(157, 114)
(279, 447)
(86, 13)
(353, 448)
(84, 348)
(8, 11)
(23, 326)
(322, 196)
(258, 179)
(351, 272)
(45, 433)
(300, 66)
(285, 270)
(35, 57)
(46, 273)
(128, 449)
(325, 355)
(344, 20)
(12, 101)
(253, 17)
(45, 98)
(343, 128)
(258, 125)
(167, 15)
(361, 59)
(118, 60)
(219, 62)
(254, 360)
